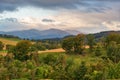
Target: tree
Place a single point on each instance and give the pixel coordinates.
(21, 50)
(98, 50)
(39, 46)
(74, 44)
(79, 43)
(1, 45)
(113, 37)
(90, 41)
(67, 45)
(113, 52)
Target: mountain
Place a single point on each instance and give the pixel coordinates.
(104, 34)
(36, 34)
(73, 32)
(51, 33)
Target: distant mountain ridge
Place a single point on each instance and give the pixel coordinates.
(51, 33)
(45, 34)
(104, 33)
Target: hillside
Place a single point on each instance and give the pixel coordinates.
(9, 41)
(104, 34)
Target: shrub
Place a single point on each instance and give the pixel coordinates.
(81, 71)
(1, 45)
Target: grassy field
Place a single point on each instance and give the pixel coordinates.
(11, 41)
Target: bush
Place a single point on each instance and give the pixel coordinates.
(81, 71)
(98, 50)
(113, 52)
(1, 45)
(43, 72)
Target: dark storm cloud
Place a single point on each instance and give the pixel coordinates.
(9, 20)
(11, 5)
(7, 7)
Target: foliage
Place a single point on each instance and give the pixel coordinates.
(79, 43)
(98, 50)
(113, 52)
(113, 37)
(74, 44)
(90, 41)
(80, 71)
(67, 45)
(21, 50)
(39, 46)
(1, 45)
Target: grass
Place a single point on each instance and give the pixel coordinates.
(11, 41)
(3, 51)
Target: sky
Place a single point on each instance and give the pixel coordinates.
(88, 16)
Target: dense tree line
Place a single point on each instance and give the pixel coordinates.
(8, 36)
(109, 44)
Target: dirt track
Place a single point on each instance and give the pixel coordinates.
(53, 50)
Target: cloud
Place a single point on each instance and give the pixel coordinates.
(92, 5)
(11, 24)
(48, 20)
(8, 24)
(90, 17)
(11, 5)
(112, 25)
(88, 22)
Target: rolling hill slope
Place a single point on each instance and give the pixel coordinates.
(8, 41)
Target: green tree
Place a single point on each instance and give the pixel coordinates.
(21, 50)
(90, 41)
(113, 37)
(79, 43)
(98, 49)
(1, 45)
(67, 45)
(39, 46)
